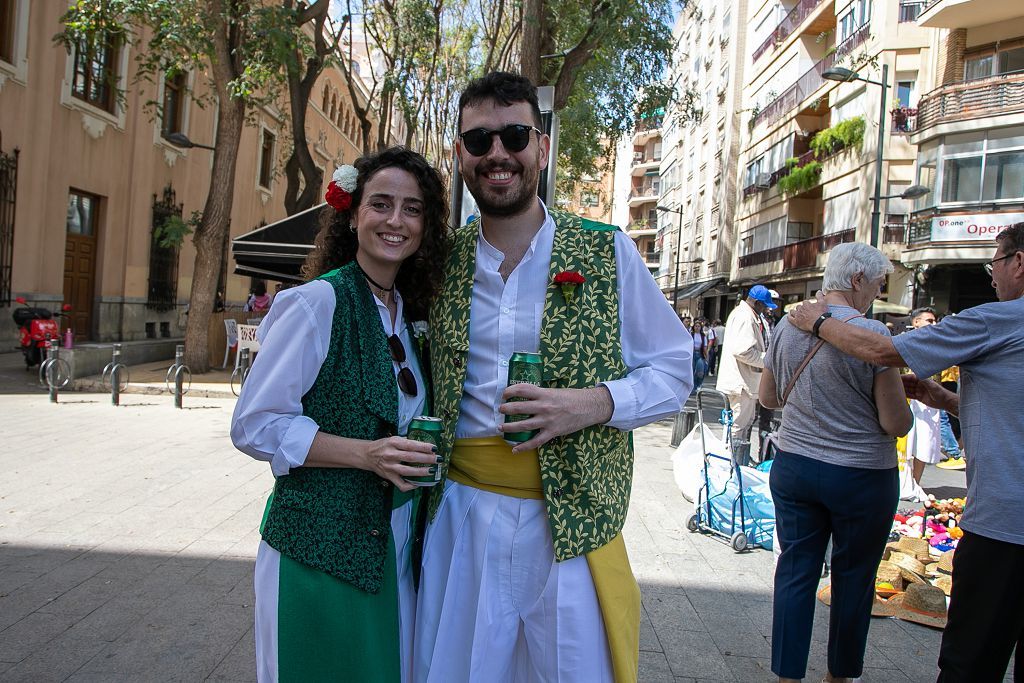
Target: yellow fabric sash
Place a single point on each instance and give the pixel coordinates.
(489, 464)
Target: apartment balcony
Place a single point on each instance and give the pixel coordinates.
(980, 98)
(904, 121)
(894, 231)
(810, 82)
(802, 254)
(642, 229)
(652, 259)
(647, 130)
(789, 24)
(644, 165)
(642, 195)
(967, 13)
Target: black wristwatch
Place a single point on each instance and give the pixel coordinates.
(817, 323)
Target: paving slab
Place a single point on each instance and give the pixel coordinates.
(127, 542)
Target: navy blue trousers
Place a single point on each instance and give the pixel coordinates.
(854, 506)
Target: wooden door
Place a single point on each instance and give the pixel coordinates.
(80, 263)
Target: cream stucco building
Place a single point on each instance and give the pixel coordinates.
(86, 177)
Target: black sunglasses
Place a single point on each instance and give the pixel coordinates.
(514, 138)
(406, 380)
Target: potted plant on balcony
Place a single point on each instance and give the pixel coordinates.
(799, 178)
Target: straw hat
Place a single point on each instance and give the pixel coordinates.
(889, 573)
(945, 564)
(945, 582)
(911, 569)
(915, 547)
(879, 608)
(944, 567)
(922, 604)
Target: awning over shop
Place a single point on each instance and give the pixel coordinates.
(277, 251)
(696, 289)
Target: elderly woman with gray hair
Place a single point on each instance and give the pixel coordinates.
(836, 473)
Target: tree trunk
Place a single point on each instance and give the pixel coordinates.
(213, 228)
(300, 163)
(530, 46)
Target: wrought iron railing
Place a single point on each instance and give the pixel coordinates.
(789, 23)
(904, 120)
(8, 196)
(1003, 94)
(163, 260)
(853, 40)
(919, 231)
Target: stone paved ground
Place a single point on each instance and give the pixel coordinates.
(127, 537)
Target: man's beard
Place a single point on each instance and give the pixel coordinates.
(511, 202)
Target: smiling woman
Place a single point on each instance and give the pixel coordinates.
(337, 383)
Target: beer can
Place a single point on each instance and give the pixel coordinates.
(428, 430)
(523, 368)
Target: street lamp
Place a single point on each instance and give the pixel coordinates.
(838, 73)
(679, 241)
(912, 192)
(181, 140)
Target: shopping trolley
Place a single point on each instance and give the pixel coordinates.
(734, 527)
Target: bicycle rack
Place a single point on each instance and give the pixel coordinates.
(241, 372)
(178, 370)
(54, 372)
(113, 372)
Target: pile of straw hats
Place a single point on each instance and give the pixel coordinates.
(909, 585)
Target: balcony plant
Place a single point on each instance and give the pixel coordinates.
(799, 178)
(844, 135)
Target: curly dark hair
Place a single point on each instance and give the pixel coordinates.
(502, 87)
(421, 275)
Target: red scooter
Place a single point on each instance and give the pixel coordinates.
(37, 327)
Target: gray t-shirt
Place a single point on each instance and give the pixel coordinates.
(987, 342)
(830, 415)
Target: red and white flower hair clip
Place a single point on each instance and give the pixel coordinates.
(341, 187)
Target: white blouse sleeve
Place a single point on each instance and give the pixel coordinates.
(656, 348)
(268, 423)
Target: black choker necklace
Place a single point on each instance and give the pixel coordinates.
(372, 282)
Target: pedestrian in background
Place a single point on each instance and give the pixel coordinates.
(336, 382)
(700, 353)
(924, 440)
(712, 336)
(746, 340)
(719, 341)
(986, 610)
(835, 473)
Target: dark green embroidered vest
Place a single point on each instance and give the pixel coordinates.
(338, 520)
(586, 476)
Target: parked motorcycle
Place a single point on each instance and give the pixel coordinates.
(37, 327)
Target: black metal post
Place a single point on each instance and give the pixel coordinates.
(876, 215)
(679, 249)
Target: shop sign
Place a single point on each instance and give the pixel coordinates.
(982, 227)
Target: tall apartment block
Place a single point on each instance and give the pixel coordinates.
(969, 130)
(810, 147)
(701, 139)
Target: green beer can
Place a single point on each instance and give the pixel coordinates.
(427, 430)
(523, 368)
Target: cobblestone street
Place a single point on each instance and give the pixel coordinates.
(127, 537)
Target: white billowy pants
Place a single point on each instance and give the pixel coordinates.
(495, 606)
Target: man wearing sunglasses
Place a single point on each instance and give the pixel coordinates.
(986, 612)
(525, 574)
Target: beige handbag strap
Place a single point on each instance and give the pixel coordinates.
(807, 359)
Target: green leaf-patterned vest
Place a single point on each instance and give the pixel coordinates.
(333, 519)
(586, 476)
